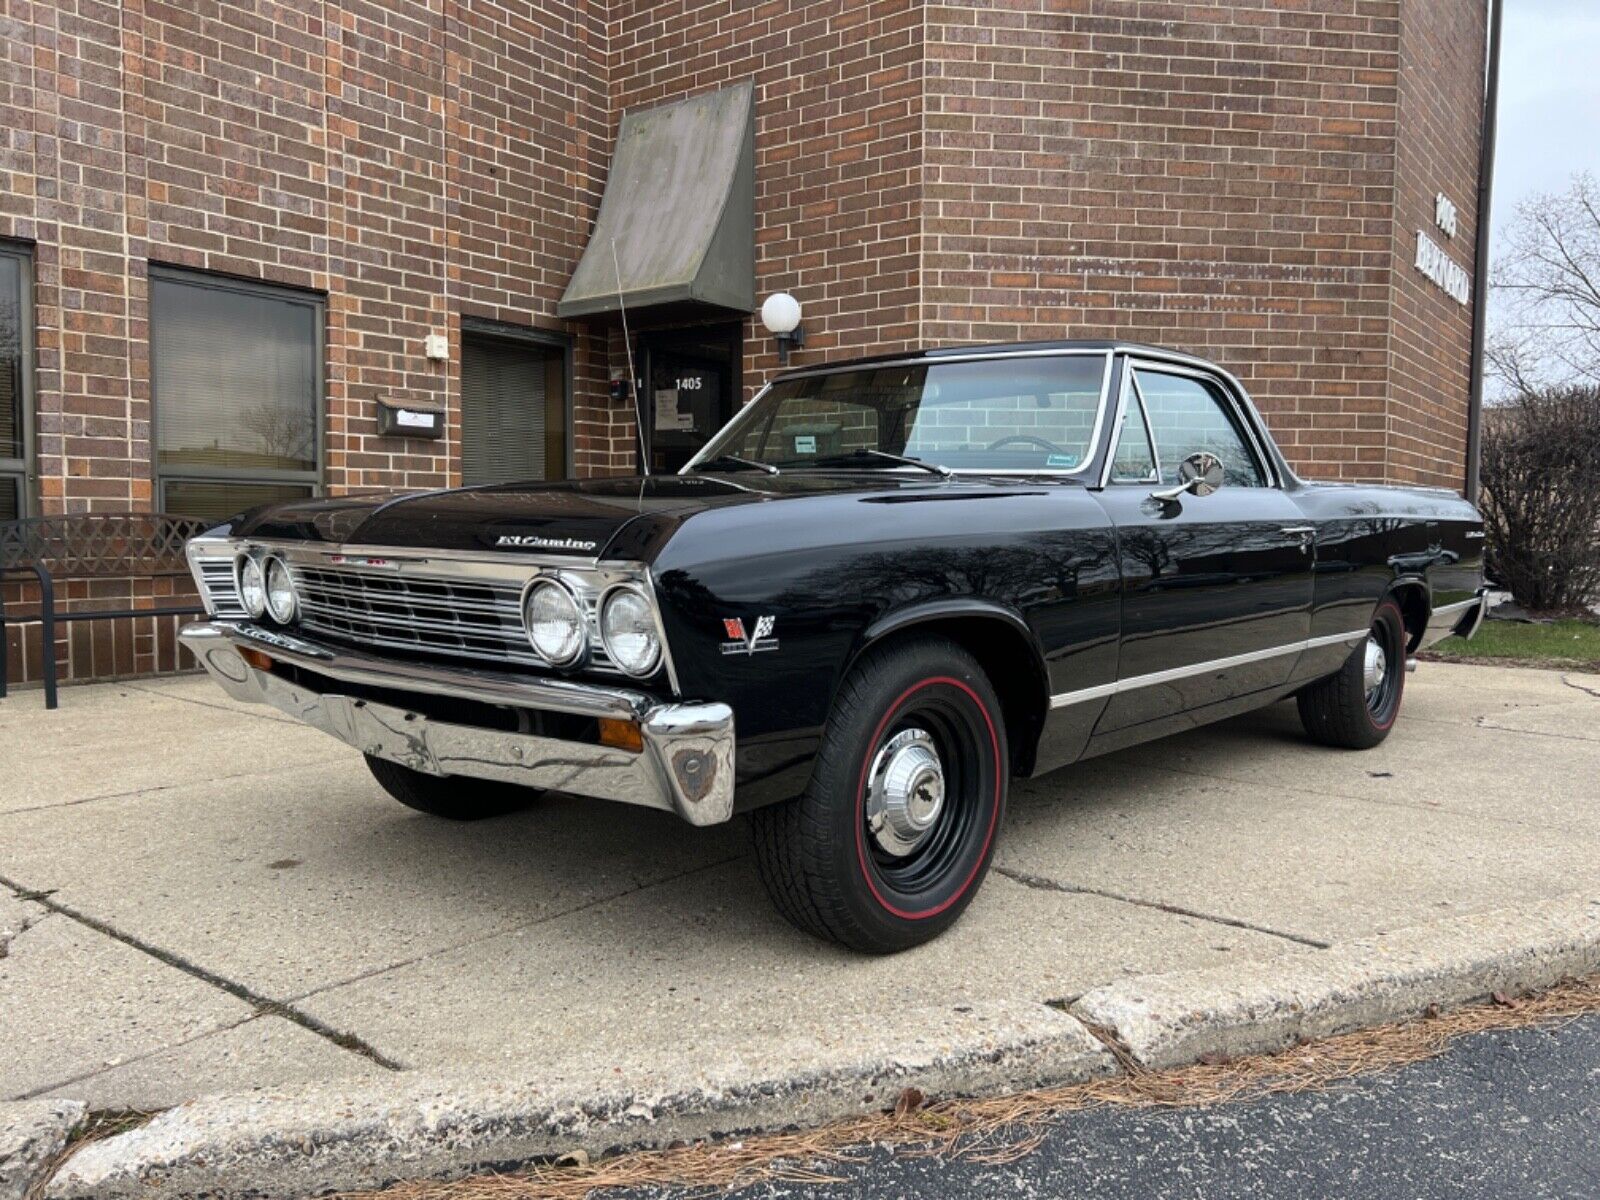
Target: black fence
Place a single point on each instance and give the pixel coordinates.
(89, 546)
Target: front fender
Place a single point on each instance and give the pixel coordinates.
(1002, 641)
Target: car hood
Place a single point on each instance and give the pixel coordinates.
(626, 517)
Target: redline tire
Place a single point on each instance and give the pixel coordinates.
(1337, 711)
(825, 867)
(453, 797)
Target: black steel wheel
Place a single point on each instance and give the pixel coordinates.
(1357, 707)
(896, 830)
(449, 796)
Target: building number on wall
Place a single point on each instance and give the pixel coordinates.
(1444, 214)
(1432, 260)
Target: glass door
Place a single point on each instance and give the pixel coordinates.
(692, 377)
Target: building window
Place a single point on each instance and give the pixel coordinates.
(236, 371)
(16, 384)
(514, 424)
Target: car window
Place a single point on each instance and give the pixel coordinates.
(1001, 414)
(1188, 416)
(1135, 460)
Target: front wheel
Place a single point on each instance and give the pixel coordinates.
(895, 831)
(1357, 707)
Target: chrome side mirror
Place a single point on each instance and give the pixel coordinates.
(1201, 473)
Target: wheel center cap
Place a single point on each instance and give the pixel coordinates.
(1376, 667)
(905, 791)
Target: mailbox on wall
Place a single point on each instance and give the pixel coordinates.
(399, 419)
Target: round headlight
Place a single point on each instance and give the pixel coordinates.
(555, 626)
(281, 601)
(252, 587)
(628, 629)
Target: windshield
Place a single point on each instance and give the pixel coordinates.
(997, 414)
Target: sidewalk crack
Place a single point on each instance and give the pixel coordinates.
(263, 1005)
(1040, 883)
(1587, 691)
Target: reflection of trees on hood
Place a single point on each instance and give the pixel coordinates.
(893, 578)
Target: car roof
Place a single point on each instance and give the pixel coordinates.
(934, 354)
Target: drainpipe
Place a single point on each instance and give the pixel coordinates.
(1480, 250)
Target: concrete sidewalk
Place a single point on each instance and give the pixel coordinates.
(204, 897)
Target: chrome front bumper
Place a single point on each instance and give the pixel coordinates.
(685, 767)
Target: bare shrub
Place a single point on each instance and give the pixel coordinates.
(1541, 497)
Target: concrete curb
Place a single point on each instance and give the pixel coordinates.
(32, 1133)
(1254, 1008)
(270, 1145)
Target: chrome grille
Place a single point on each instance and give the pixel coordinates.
(464, 618)
(221, 593)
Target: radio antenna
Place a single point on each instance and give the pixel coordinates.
(633, 380)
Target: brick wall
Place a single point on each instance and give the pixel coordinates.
(1431, 339)
(1217, 178)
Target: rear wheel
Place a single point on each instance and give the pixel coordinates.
(452, 797)
(897, 827)
(1357, 707)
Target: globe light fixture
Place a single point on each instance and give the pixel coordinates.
(780, 313)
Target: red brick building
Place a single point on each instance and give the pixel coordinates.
(231, 234)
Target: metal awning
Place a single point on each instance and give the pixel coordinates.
(679, 206)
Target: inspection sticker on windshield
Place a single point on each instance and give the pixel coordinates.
(1061, 460)
(805, 443)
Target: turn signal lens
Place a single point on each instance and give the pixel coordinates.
(620, 734)
(256, 659)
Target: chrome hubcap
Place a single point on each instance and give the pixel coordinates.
(905, 791)
(1377, 666)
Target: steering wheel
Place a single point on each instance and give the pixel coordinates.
(1026, 439)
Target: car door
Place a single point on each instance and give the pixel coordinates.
(1216, 589)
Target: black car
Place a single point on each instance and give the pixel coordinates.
(887, 587)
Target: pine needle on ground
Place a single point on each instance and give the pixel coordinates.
(1002, 1129)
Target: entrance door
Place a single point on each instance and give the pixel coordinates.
(692, 376)
(1216, 590)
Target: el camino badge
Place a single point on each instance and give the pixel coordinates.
(759, 639)
(533, 541)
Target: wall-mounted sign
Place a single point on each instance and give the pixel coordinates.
(1444, 271)
(399, 419)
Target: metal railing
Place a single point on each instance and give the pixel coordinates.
(90, 546)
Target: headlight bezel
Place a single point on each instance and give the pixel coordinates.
(657, 638)
(250, 562)
(580, 652)
(277, 562)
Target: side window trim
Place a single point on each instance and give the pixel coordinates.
(1149, 433)
(1230, 404)
(1129, 387)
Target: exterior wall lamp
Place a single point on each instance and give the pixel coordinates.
(780, 313)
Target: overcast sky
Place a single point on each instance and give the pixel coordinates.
(1549, 99)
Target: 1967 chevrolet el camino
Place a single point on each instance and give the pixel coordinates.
(886, 588)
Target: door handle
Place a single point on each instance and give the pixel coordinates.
(1305, 533)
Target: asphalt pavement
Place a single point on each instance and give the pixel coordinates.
(1512, 1113)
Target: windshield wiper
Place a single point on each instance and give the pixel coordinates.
(748, 463)
(868, 452)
